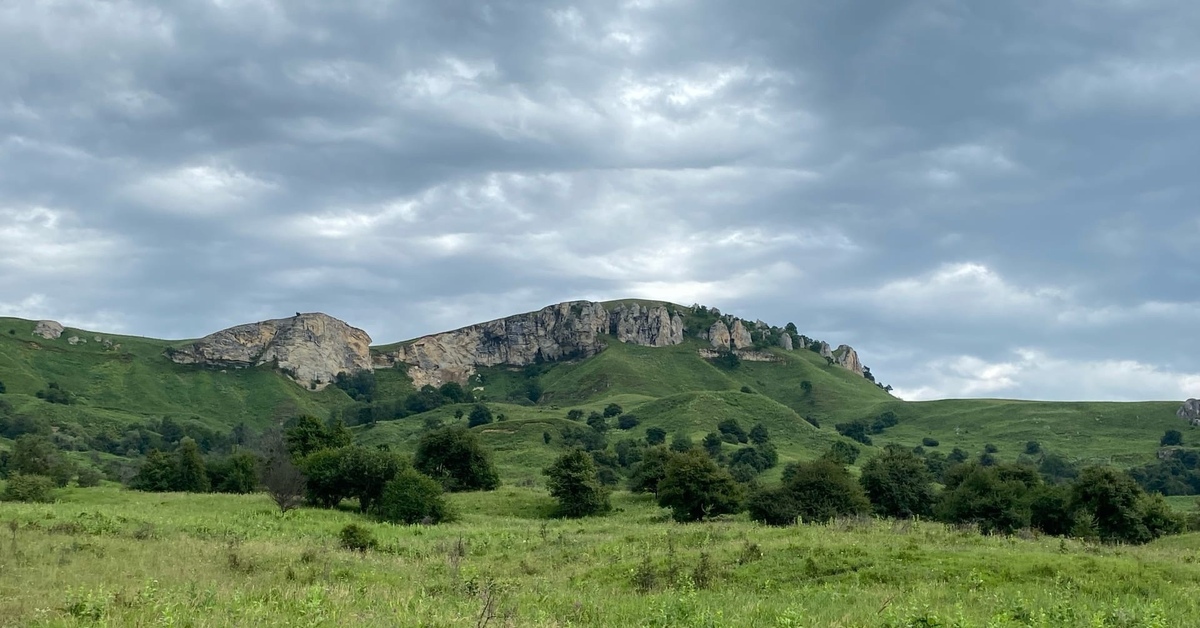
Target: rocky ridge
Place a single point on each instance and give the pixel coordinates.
(313, 348)
(310, 348)
(574, 329)
(1190, 411)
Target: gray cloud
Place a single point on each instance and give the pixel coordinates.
(985, 200)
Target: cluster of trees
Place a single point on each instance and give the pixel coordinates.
(35, 466)
(861, 429)
(361, 387)
(53, 393)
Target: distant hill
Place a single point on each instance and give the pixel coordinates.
(681, 369)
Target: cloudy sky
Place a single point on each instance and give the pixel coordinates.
(984, 198)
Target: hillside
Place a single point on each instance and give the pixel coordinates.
(655, 360)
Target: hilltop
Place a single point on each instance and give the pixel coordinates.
(678, 368)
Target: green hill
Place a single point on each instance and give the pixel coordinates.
(120, 382)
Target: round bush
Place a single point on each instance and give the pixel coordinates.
(357, 538)
(28, 488)
(412, 498)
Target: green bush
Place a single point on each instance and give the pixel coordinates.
(412, 497)
(929, 442)
(574, 482)
(898, 484)
(455, 457)
(28, 488)
(694, 487)
(823, 489)
(480, 415)
(88, 477)
(357, 538)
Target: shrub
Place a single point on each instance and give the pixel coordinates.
(88, 477)
(628, 421)
(455, 457)
(929, 442)
(773, 506)
(575, 415)
(1033, 448)
(823, 490)
(648, 473)
(480, 415)
(612, 410)
(1171, 438)
(357, 538)
(995, 498)
(748, 390)
(28, 488)
(712, 444)
(759, 434)
(990, 449)
(655, 436)
(842, 453)
(898, 484)
(1122, 512)
(694, 487)
(733, 429)
(681, 442)
(597, 422)
(412, 497)
(854, 430)
(574, 482)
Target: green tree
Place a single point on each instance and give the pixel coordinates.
(480, 415)
(365, 471)
(759, 434)
(237, 473)
(412, 497)
(996, 498)
(455, 457)
(33, 454)
(572, 479)
(681, 442)
(694, 487)
(823, 489)
(157, 473)
(649, 472)
(190, 473)
(898, 484)
(575, 415)
(712, 444)
(337, 434)
(1171, 438)
(598, 423)
(655, 436)
(1122, 512)
(731, 429)
(612, 410)
(307, 436)
(842, 453)
(628, 421)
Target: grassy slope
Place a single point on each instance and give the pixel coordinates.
(110, 557)
(132, 381)
(669, 387)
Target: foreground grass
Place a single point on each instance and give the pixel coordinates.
(111, 557)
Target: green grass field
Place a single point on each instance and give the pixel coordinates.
(109, 557)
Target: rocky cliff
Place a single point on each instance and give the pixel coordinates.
(567, 330)
(310, 348)
(1190, 411)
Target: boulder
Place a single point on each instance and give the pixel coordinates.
(740, 336)
(785, 341)
(50, 330)
(718, 335)
(1190, 411)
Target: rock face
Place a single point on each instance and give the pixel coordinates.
(567, 330)
(50, 330)
(307, 347)
(740, 336)
(847, 358)
(718, 335)
(1190, 411)
(785, 342)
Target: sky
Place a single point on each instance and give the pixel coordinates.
(985, 199)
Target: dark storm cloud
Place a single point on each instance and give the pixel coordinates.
(984, 198)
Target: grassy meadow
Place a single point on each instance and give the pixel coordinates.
(110, 557)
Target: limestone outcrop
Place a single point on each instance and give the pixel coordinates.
(846, 357)
(567, 330)
(718, 335)
(785, 342)
(310, 348)
(50, 330)
(740, 336)
(1190, 411)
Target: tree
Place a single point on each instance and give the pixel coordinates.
(842, 453)
(732, 430)
(712, 444)
(898, 484)
(412, 497)
(929, 442)
(480, 415)
(990, 449)
(855, 430)
(649, 472)
(3, 388)
(337, 435)
(157, 473)
(694, 487)
(28, 488)
(759, 434)
(365, 471)
(237, 473)
(573, 481)
(307, 436)
(190, 473)
(773, 506)
(612, 410)
(681, 442)
(455, 457)
(575, 415)
(284, 481)
(453, 392)
(823, 489)
(1171, 438)
(1121, 510)
(627, 421)
(995, 498)
(33, 454)
(598, 423)
(655, 436)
